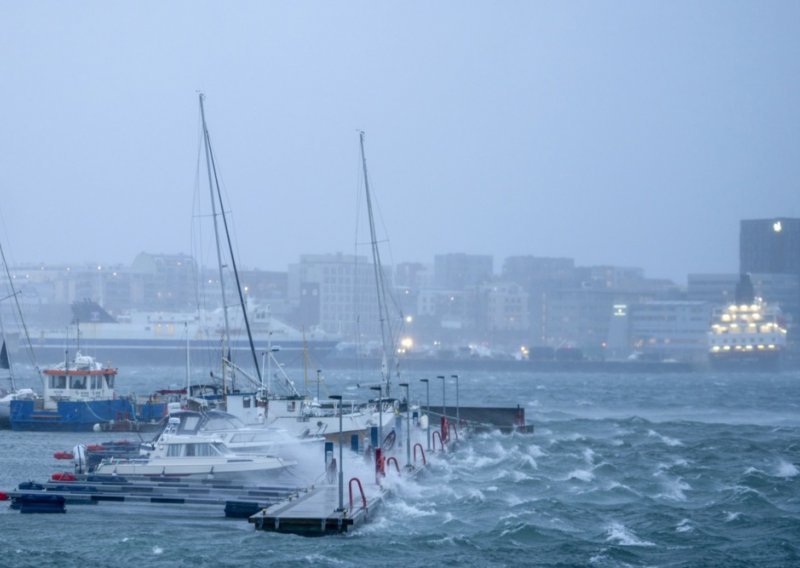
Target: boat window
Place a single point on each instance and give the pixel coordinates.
(246, 402)
(189, 423)
(58, 382)
(110, 381)
(223, 423)
(290, 406)
(96, 382)
(175, 450)
(78, 383)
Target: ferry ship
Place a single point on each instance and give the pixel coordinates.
(165, 337)
(749, 334)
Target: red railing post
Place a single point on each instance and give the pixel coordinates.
(379, 465)
(435, 435)
(424, 461)
(391, 459)
(361, 489)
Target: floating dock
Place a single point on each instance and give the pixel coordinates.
(317, 512)
(238, 501)
(313, 510)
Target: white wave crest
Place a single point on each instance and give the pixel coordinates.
(666, 439)
(403, 509)
(731, 516)
(786, 469)
(581, 475)
(620, 534)
(674, 489)
(535, 451)
(684, 526)
(157, 550)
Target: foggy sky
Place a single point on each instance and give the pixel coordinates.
(626, 133)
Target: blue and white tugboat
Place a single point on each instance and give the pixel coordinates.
(78, 396)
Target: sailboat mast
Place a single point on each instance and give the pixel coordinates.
(387, 341)
(220, 265)
(15, 295)
(212, 169)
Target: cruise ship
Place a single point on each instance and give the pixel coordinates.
(164, 338)
(749, 334)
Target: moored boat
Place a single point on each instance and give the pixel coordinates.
(80, 395)
(188, 454)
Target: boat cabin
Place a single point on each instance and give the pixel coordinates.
(83, 378)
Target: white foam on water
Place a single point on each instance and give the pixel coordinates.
(405, 510)
(157, 550)
(580, 475)
(731, 516)
(535, 451)
(786, 469)
(617, 485)
(666, 439)
(476, 495)
(573, 437)
(674, 489)
(751, 470)
(588, 455)
(322, 559)
(684, 526)
(126, 539)
(623, 536)
(528, 460)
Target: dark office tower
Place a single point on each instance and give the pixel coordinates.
(770, 246)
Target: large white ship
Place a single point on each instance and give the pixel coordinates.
(749, 334)
(165, 337)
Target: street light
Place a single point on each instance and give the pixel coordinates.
(428, 410)
(338, 398)
(380, 415)
(444, 400)
(408, 426)
(458, 412)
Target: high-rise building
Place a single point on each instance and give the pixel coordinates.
(770, 246)
(458, 271)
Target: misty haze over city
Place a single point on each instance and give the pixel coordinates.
(619, 134)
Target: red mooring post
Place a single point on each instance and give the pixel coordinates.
(379, 465)
(445, 433)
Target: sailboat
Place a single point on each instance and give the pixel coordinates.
(13, 393)
(296, 413)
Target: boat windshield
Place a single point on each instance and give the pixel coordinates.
(217, 423)
(200, 449)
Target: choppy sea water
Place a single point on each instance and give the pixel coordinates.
(623, 470)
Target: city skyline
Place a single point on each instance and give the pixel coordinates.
(625, 135)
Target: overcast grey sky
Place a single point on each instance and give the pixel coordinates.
(627, 133)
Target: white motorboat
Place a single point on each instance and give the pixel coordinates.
(182, 455)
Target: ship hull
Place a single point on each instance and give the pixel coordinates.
(172, 352)
(768, 361)
(82, 416)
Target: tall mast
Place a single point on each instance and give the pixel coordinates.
(15, 295)
(387, 340)
(214, 184)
